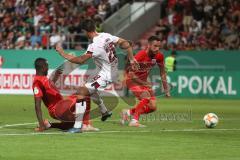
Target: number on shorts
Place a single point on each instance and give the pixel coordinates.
(110, 50)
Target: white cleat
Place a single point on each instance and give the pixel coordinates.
(135, 123)
(125, 117)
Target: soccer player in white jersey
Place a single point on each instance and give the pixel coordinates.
(102, 50)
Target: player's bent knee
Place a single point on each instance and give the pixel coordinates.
(152, 107)
(83, 91)
(80, 97)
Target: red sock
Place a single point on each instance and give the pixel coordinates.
(132, 111)
(139, 109)
(86, 117)
(147, 109)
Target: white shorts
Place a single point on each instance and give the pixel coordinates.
(97, 83)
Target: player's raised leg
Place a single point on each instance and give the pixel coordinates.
(97, 99)
(93, 87)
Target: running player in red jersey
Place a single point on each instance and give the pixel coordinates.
(70, 111)
(136, 81)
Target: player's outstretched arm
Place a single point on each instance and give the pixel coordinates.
(38, 111)
(126, 45)
(74, 59)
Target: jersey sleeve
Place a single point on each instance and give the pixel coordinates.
(114, 39)
(90, 50)
(37, 91)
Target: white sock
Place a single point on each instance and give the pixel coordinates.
(80, 109)
(128, 112)
(98, 100)
(102, 107)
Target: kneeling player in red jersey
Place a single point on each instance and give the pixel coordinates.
(72, 111)
(136, 81)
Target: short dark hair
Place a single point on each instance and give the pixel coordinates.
(39, 63)
(153, 38)
(88, 25)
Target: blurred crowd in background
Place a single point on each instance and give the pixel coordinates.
(184, 24)
(198, 25)
(39, 24)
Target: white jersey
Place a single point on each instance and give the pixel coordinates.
(104, 56)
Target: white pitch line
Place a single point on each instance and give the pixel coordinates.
(30, 134)
(18, 124)
(104, 132)
(200, 130)
(66, 133)
(25, 124)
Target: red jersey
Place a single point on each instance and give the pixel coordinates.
(45, 88)
(146, 63)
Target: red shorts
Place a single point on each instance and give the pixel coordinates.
(138, 90)
(64, 109)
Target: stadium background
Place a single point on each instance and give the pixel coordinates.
(204, 33)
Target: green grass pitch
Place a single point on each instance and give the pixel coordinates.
(176, 131)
